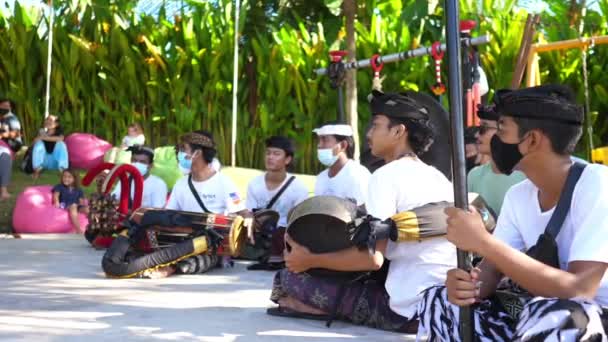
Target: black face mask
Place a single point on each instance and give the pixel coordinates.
(505, 156)
(4, 111)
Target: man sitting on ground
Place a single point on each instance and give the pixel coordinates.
(344, 177)
(155, 189)
(561, 221)
(485, 179)
(10, 129)
(278, 190)
(399, 133)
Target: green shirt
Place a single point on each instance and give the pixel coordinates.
(492, 186)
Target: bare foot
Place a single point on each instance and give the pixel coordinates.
(296, 305)
(36, 174)
(161, 272)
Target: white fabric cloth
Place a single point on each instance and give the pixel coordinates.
(259, 196)
(403, 185)
(350, 183)
(154, 194)
(136, 140)
(4, 149)
(340, 129)
(584, 234)
(219, 194)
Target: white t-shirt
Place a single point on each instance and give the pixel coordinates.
(584, 234)
(154, 194)
(350, 183)
(258, 196)
(403, 185)
(136, 140)
(218, 193)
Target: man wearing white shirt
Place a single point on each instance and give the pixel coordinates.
(155, 189)
(400, 131)
(216, 192)
(562, 284)
(344, 177)
(278, 190)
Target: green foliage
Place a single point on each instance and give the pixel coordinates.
(112, 67)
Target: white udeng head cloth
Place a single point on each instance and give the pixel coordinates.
(339, 129)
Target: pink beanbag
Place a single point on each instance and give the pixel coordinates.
(4, 144)
(34, 213)
(86, 150)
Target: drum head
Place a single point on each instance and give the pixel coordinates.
(320, 233)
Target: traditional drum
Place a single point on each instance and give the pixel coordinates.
(326, 224)
(170, 236)
(168, 227)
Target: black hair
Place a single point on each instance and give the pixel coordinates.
(284, 144)
(563, 136)
(470, 134)
(550, 109)
(420, 133)
(281, 142)
(208, 153)
(350, 144)
(142, 150)
(74, 174)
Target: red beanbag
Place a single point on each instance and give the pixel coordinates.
(4, 144)
(86, 150)
(34, 213)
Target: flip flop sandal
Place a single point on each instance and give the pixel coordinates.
(284, 312)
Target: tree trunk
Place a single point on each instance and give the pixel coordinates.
(349, 8)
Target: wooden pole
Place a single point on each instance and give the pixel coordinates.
(47, 98)
(524, 49)
(532, 70)
(570, 44)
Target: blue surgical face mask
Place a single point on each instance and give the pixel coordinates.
(326, 156)
(184, 161)
(141, 167)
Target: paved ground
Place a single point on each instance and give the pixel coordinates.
(52, 289)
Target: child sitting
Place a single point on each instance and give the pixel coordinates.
(68, 195)
(135, 136)
(120, 155)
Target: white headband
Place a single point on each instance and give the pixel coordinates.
(340, 129)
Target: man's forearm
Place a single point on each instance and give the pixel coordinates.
(351, 259)
(489, 278)
(536, 277)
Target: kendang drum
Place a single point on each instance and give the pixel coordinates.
(169, 227)
(325, 224)
(158, 239)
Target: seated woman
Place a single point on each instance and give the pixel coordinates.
(49, 151)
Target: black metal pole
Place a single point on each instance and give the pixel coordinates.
(457, 131)
(341, 116)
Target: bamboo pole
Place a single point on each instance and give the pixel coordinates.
(235, 84)
(49, 59)
(524, 49)
(570, 44)
(532, 69)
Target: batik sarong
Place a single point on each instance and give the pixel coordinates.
(542, 319)
(362, 302)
